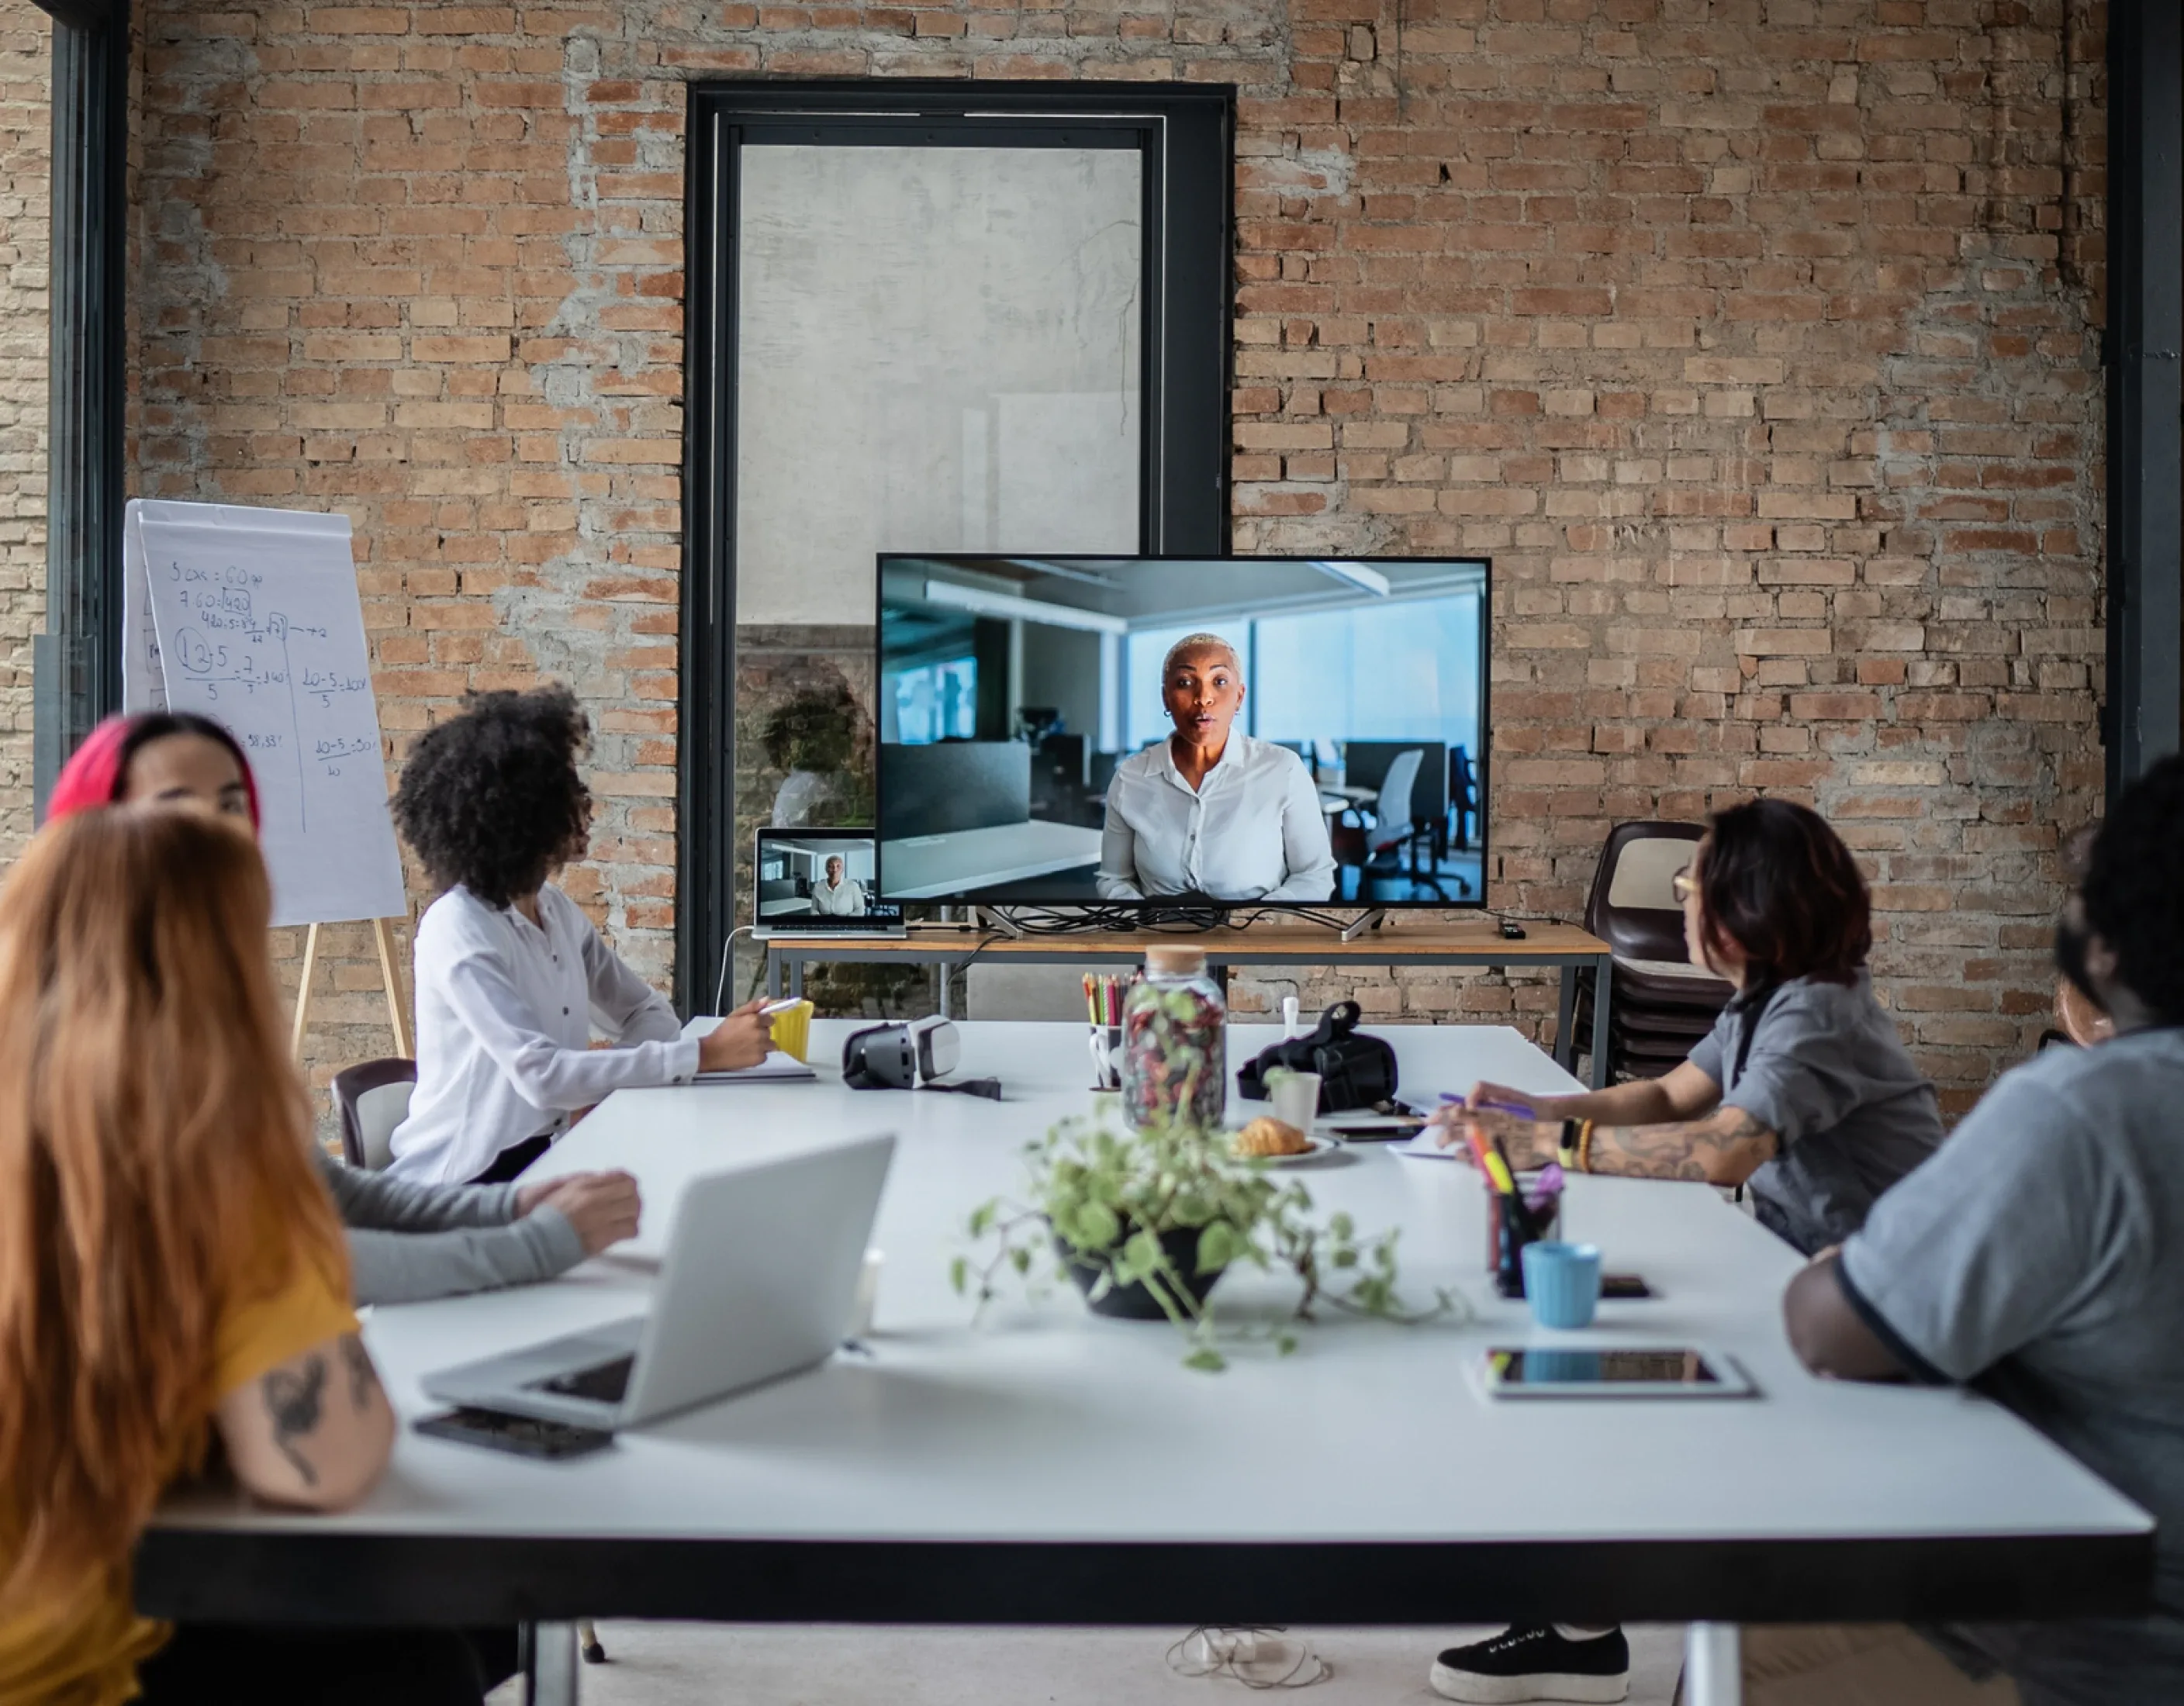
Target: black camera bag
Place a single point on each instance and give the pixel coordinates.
(1355, 1070)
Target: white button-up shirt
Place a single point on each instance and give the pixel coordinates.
(1252, 830)
(845, 899)
(505, 1017)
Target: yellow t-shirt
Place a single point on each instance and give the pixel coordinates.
(82, 1648)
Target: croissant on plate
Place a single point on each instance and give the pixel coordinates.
(1267, 1135)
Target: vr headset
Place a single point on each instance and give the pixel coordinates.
(896, 1056)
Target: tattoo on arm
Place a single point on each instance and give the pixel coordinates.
(363, 1378)
(1728, 1145)
(295, 1403)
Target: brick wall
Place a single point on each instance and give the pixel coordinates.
(1754, 342)
(25, 145)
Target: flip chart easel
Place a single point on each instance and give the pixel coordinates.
(382, 936)
(252, 617)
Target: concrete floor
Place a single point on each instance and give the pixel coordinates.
(688, 1663)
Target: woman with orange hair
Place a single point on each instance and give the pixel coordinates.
(171, 1270)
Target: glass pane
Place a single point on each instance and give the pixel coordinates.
(937, 348)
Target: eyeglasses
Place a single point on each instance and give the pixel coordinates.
(1681, 885)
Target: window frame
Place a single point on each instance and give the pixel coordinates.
(1186, 139)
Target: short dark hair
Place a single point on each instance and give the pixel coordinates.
(1777, 881)
(491, 798)
(2134, 900)
(158, 725)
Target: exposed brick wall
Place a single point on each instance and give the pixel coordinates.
(25, 227)
(1752, 341)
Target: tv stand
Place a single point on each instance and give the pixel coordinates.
(1368, 920)
(998, 920)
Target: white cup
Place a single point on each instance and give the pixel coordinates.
(868, 1294)
(1294, 1096)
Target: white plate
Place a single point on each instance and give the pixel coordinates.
(1321, 1147)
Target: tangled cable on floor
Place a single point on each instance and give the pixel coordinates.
(1258, 1655)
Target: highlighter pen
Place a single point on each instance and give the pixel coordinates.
(1496, 1169)
(1505, 1176)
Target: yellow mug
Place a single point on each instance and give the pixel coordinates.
(792, 1030)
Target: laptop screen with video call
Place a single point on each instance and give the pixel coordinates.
(820, 882)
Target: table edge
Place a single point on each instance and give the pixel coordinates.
(293, 1575)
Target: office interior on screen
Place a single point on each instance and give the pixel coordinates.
(795, 880)
(1010, 689)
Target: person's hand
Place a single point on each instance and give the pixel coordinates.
(603, 1206)
(1529, 1142)
(1500, 1098)
(739, 1041)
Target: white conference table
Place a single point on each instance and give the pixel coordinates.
(1053, 1467)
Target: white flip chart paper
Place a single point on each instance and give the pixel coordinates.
(254, 621)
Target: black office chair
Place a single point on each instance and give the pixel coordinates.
(371, 1099)
(1660, 1004)
(1462, 797)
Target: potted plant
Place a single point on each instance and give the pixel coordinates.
(1147, 1222)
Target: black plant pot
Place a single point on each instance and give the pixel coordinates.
(1133, 1302)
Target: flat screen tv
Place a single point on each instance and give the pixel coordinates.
(1045, 725)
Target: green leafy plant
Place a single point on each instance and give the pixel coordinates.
(1102, 1201)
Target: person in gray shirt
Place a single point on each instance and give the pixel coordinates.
(1802, 1092)
(1802, 1089)
(2040, 1257)
(408, 1241)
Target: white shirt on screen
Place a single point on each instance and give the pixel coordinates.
(505, 1017)
(1252, 830)
(841, 900)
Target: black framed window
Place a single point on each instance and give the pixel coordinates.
(1075, 241)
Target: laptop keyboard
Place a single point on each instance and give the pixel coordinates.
(603, 1381)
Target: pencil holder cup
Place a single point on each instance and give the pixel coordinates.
(1510, 1227)
(1563, 1282)
(792, 1030)
(1106, 1046)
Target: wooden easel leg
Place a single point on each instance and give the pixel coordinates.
(303, 990)
(390, 974)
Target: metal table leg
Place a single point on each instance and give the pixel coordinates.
(1603, 980)
(552, 1680)
(772, 971)
(1714, 1665)
(1566, 1019)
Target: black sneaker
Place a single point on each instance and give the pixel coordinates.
(1535, 1664)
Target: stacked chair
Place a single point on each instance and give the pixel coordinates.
(1659, 1004)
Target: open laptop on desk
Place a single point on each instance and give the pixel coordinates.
(819, 883)
(759, 1281)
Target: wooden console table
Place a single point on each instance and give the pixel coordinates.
(1563, 945)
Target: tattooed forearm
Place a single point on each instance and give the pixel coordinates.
(1726, 1147)
(295, 1401)
(363, 1378)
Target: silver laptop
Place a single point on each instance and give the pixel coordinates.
(759, 1281)
(797, 892)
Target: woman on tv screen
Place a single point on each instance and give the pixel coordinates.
(1210, 812)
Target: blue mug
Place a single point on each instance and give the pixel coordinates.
(1563, 1282)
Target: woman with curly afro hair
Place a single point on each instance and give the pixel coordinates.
(511, 977)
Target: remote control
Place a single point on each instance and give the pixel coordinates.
(1511, 930)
